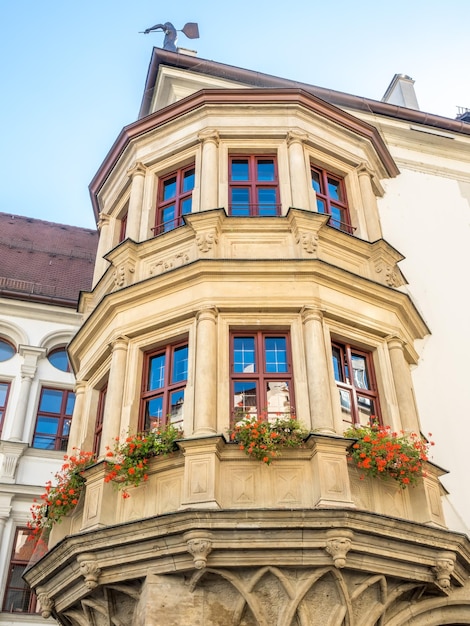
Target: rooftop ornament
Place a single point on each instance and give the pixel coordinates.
(190, 29)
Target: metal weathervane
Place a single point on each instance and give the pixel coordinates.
(190, 29)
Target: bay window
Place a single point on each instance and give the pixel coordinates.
(174, 200)
(331, 198)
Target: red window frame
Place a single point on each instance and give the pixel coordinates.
(164, 403)
(253, 186)
(99, 420)
(181, 200)
(62, 417)
(18, 597)
(327, 202)
(123, 228)
(263, 403)
(358, 392)
(5, 388)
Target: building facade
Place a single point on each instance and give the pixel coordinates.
(247, 264)
(43, 267)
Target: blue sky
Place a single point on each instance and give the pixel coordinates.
(72, 73)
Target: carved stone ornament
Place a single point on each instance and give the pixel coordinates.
(338, 547)
(91, 572)
(165, 265)
(47, 604)
(443, 569)
(122, 276)
(200, 549)
(205, 241)
(309, 241)
(391, 274)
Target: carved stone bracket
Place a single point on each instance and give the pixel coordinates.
(308, 241)
(443, 569)
(338, 545)
(89, 570)
(47, 604)
(199, 548)
(123, 275)
(392, 275)
(205, 241)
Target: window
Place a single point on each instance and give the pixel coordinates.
(355, 379)
(59, 359)
(261, 374)
(165, 376)
(6, 350)
(54, 419)
(331, 199)
(18, 596)
(174, 199)
(99, 421)
(123, 228)
(4, 391)
(253, 186)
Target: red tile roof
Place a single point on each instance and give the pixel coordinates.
(43, 261)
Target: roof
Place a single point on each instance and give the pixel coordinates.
(45, 262)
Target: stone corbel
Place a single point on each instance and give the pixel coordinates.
(444, 568)
(12, 452)
(199, 546)
(89, 570)
(46, 602)
(308, 241)
(123, 275)
(338, 545)
(206, 240)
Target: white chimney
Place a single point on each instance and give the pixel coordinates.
(401, 92)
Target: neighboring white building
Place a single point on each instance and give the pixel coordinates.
(43, 267)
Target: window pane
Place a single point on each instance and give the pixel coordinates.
(336, 218)
(51, 401)
(316, 182)
(23, 550)
(3, 393)
(275, 354)
(320, 206)
(186, 206)
(6, 350)
(176, 406)
(334, 189)
(18, 596)
(169, 188)
(47, 425)
(337, 364)
(240, 201)
(66, 428)
(188, 180)
(240, 169)
(278, 398)
(266, 202)
(154, 408)
(180, 364)
(359, 367)
(265, 170)
(366, 409)
(345, 400)
(156, 372)
(43, 442)
(168, 218)
(245, 396)
(70, 404)
(59, 359)
(244, 354)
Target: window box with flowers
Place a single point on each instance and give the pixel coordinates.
(264, 440)
(379, 452)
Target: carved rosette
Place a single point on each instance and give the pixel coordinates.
(443, 569)
(338, 545)
(199, 548)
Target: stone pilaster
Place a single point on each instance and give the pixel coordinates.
(137, 175)
(75, 436)
(113, 408)
(209, 177)
(104, 246)
(31, 355)
(205, 413)
(369, 202)
(403, 385)
(299, 183)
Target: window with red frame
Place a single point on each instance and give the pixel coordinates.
(355, 379)
(253, 186)
(331, 198)
(164, 383)
(175, 199)
(4, 393)
(123, 228)
(18, 596)
(261, 374)
(53, 419)
(99, 420)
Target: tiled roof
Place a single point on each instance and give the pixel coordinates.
(44, 261)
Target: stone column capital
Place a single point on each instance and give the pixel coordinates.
(311, 314)
(209, 135)
(103, 221)
(138, 169)
(296, 137)
(208, 313)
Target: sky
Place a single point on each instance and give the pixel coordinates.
(72, 73)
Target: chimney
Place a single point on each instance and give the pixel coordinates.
(401, 92)
(463, 114)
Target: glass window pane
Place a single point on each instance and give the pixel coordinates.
(186, 206)
(359, 367)
(59, 359)
(244, 354)
(265, 170)
(156, 378)
(188, 180)
(23, 549)
(245, 397)
(316, 182)
(43, 442)
(180, 364)
(334, 189)
(345, 400)
(66, 428)
(176, 406)
(239, 169)
(154, 408)
(70, 404)
(275, 354)
(266, 202)
(336, 217)
(3, 393)
(336, 353)
(169, 188)
(366, 409)
(321, 206)
(278, 397)
(51, 401)
(47, 425)
(168, 217)
(240, 201)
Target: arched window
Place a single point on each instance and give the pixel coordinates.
(7, 350)
(59, 359)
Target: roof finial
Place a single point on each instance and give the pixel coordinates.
(190, 29)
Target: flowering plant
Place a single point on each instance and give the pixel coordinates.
(380, 452)
(127, 461)
(261, 439)
(60, 498)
